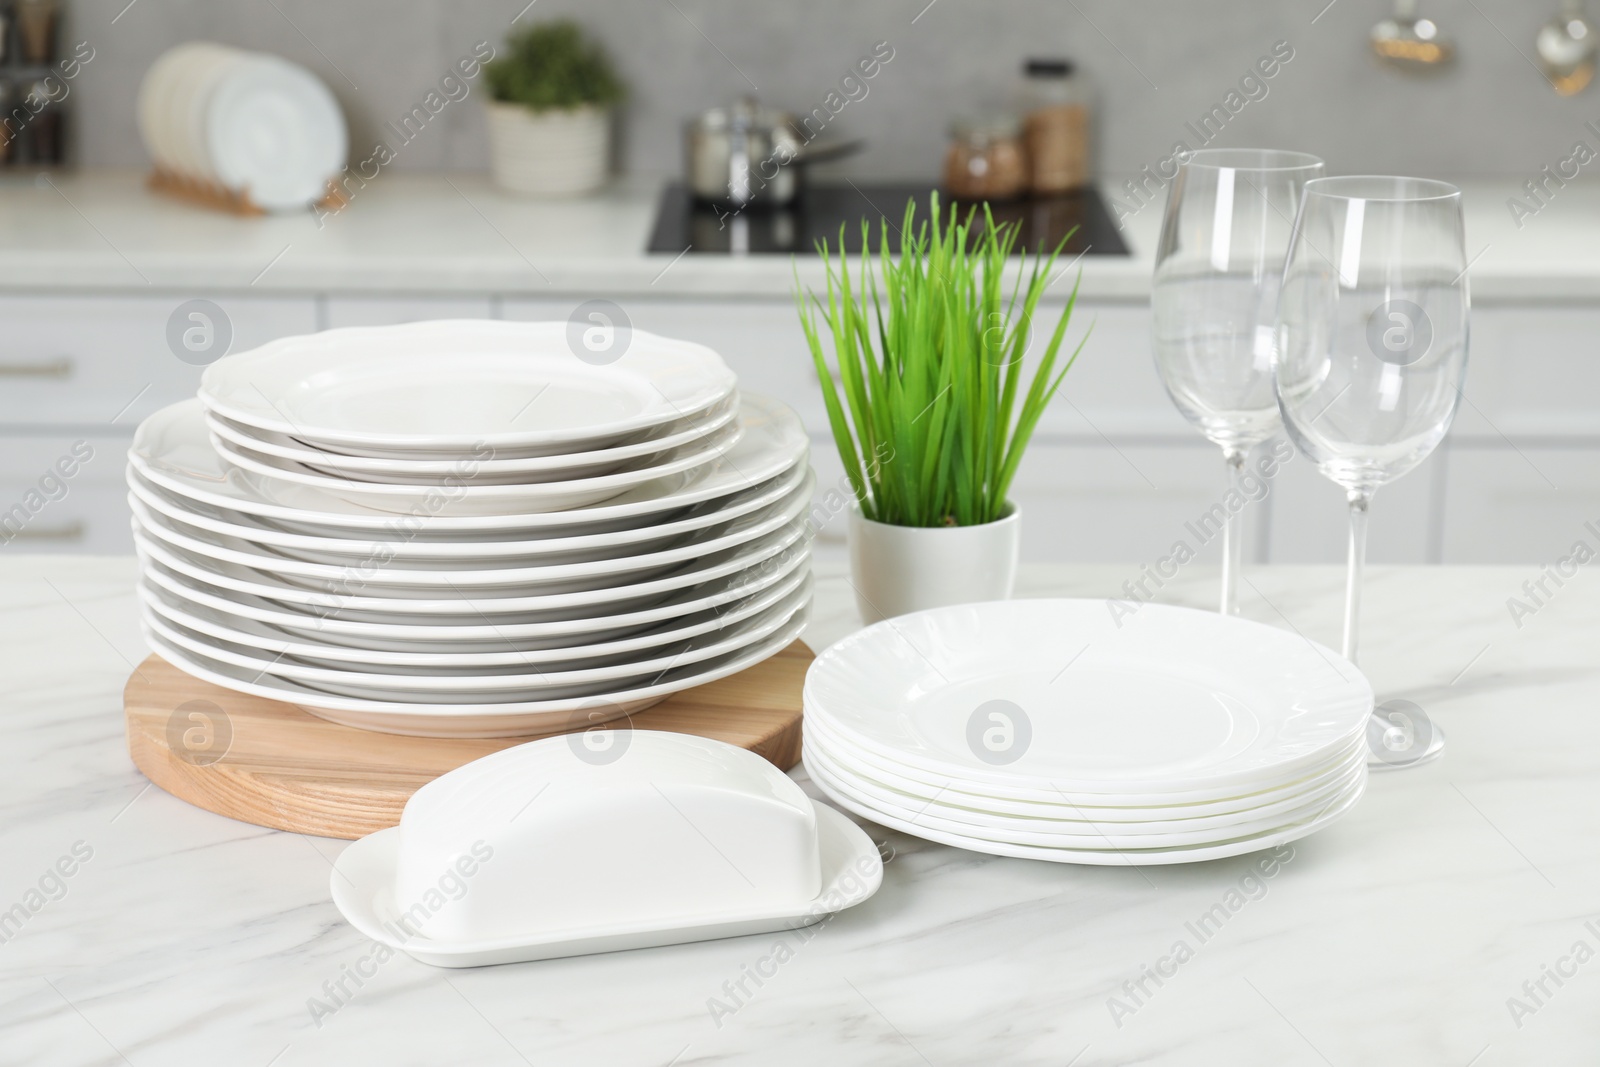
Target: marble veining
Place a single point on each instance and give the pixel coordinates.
(1401, 935)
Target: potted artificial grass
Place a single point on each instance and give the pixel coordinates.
(930, 407)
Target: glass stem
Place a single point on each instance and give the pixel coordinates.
(1360, 502)
(1233, 534)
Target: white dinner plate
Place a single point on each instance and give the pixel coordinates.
(1085, 832)
(224, 626)
(1063, 694)
(166, 100)
(1014, 798)
(1122, 857)
(515, 719)
(152, 105)
(528, 608)
(1102, 807)
(377, 573)
(204, 70)
(274, 131)
(463, 385)
(707, 520)
(472, 634)
(462, 494)
(486, 471)
(173, 450)
(480, 684)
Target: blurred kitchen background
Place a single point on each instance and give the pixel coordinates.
(1156, 64)
(94, 264)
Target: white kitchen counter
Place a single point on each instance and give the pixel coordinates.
(437, 234)
(1394, 937)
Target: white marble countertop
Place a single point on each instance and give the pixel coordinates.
(1397, 936)
(438, 234)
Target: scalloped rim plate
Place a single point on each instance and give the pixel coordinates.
(457, 384)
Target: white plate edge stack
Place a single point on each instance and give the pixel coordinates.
(759, 581)
(984, 807)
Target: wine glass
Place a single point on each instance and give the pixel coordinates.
(1372, 339)
(1230, 213)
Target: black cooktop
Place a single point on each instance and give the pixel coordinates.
(683, 223)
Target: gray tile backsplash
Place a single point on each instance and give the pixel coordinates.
(1157, 64)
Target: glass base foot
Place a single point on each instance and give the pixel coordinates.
(1386, 752)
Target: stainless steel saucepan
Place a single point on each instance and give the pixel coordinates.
(747, 155)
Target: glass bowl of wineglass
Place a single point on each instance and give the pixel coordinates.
(1230, 214)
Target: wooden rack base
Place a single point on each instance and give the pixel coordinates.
(221, 198)
(284, 768)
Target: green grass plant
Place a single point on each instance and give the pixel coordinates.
(931, 409)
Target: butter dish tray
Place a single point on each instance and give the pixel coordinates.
(569, 846)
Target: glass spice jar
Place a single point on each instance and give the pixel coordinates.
(985, 160)
(36, 29)
(44, 134)
(9, 138)
(1057, 102)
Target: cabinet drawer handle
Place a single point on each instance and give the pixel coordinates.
(71, 531)
(50, 368)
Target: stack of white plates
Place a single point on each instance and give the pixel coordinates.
(461, 529)
(248, 121)
(1061, 730)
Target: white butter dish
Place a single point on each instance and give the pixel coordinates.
(598, 842)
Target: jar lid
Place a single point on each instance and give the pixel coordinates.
(988, 127)
(1049, 68)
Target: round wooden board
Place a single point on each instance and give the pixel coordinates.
(284, 768)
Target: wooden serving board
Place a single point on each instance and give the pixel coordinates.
(273, 764)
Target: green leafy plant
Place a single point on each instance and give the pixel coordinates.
(553, 65)
(935, 415)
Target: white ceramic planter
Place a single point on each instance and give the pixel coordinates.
(548, 153)
(900, 569)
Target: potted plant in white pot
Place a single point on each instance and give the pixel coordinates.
(936, 409)
(549, 116)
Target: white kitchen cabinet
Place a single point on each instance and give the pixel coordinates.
(1113, 390)
(342, 311)
(1533, 373)
(1310, 520)
(106, 362)
(1086, 501)
(1520, 504)
(88, 368)
(1114, 475)
(827, 517)
(63, 493)
(1130, 504)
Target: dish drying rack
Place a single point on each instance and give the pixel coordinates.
(219, 197)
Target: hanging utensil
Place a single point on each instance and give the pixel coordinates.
(1409, 41)
(1566, 48)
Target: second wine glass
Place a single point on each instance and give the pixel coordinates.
(1372, 346)
(1219, 265)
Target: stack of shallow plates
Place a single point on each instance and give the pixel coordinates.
(247, 121)
(1081, 732)
(462, 529)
